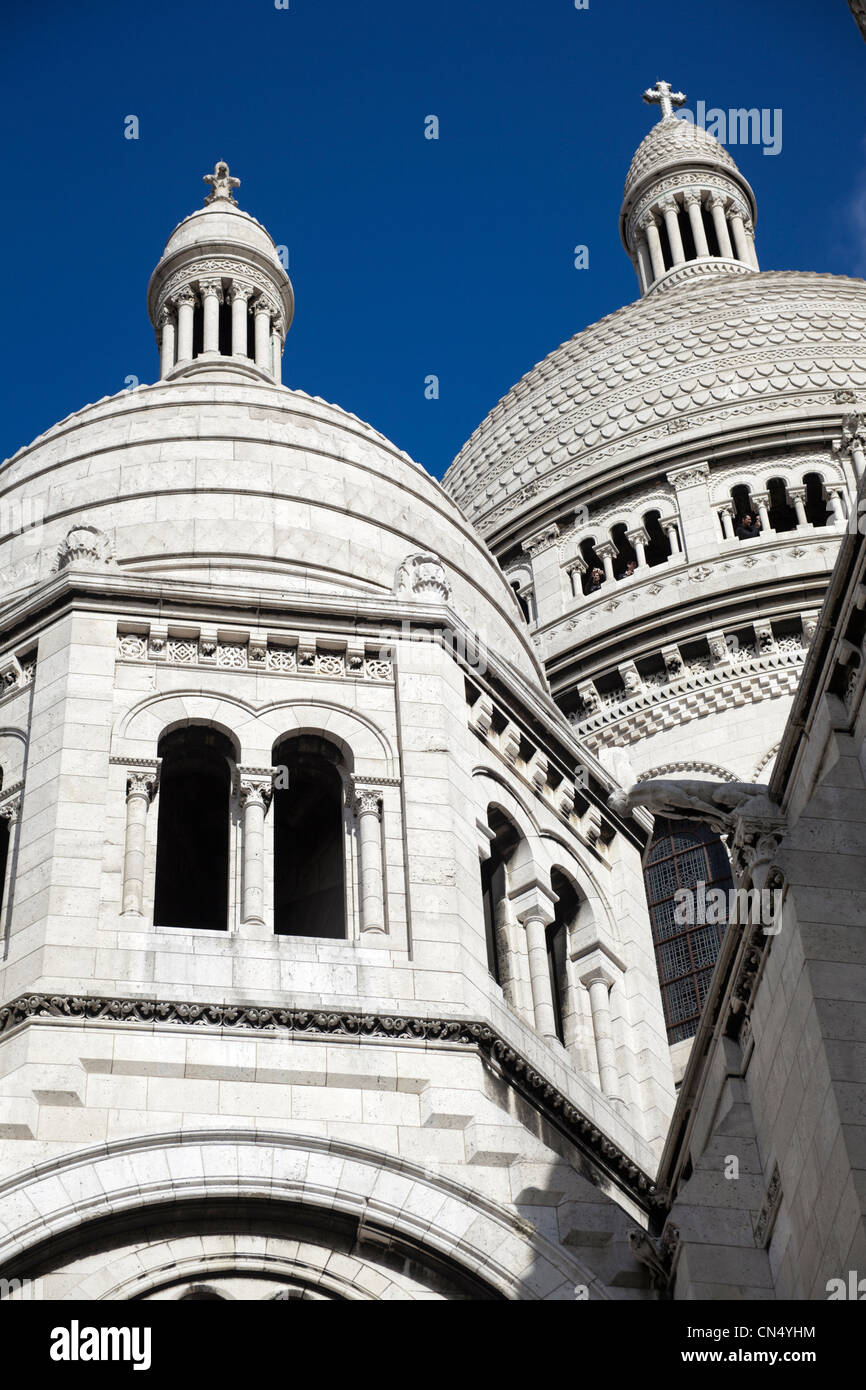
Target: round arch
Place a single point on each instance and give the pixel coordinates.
(389, 1198)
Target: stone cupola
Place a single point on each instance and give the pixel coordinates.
(687, 210)
(219, 299)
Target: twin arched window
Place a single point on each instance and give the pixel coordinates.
(505, 847)
(197, 805)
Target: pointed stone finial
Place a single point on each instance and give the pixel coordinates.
(661, 95)
(222, 182)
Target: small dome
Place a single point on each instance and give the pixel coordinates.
(670, 144)
(220, 222)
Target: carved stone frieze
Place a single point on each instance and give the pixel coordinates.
(279, 659)
(516, 1070)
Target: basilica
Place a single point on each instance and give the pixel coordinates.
(346, 817)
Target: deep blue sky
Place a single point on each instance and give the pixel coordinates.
(408, 257)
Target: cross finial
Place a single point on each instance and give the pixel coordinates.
(222, 182)
(661, 95)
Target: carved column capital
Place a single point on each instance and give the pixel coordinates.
(366, 801)
(142, 779)
(237, 290)
(185, 296)
(214, 287)
(10, 808)
(692, 200)
(255, 786)
(261, 306)
(716, 201)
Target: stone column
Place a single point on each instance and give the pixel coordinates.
(762, 500)
(262, 312)
(533, 906)
(598, 981)
(644, 265)
(606, 551)
(837, 513)
(211, 292)
(639, 540)
(276, 347)
(185, 301)
(256, 791)
(650, 227)
(368, 810)
(750, 238)
(727, 515)
(671, 530)
(741, 243)
(720, 222)
(239, 297)
(167, 340)
(671, 213)
(693, 204)
(853, 436)
(141, 784)
(575, 574)
(797, 495)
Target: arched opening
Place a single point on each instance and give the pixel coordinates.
(817, 511)
(626, 556)
(225, 328)
(690, 250)
(565, 914)
(710, 231)
(658, 548)
(685, 861)
(309, 839)
(522, 599)
(192, 856)
(666, 244)
(783, 516)
(197, 328)
(593, 576)
(494, 888)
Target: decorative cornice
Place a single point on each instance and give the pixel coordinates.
(468, 1033)
(711, 770)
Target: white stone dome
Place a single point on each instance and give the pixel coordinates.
(220, 221)
(682, 366)
(253, 486)
(671, 144)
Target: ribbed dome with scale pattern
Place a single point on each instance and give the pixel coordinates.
(670, 144)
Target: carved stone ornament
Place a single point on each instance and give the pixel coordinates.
(84, 545)
(689, 477)
(423, 576)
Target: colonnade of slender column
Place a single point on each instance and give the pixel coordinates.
(733, 229)
(177, 316)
